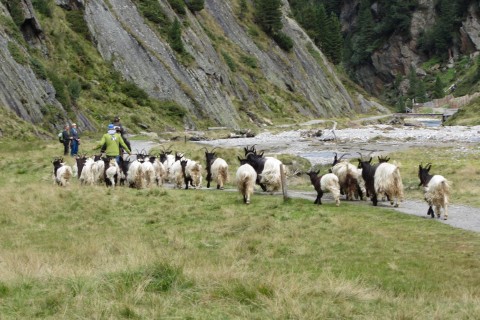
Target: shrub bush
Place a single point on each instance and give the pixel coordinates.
(135, 92)
(283, 41)
(38, 68)
(229, 61)
(178, 6)
(17, 54)
(195, 5)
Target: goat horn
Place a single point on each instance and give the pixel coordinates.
(343, 156)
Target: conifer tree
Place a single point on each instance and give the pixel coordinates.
(268, 15)
(333, 43)
(362, 43)
(438, 89)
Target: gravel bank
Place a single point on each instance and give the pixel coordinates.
(376, 138)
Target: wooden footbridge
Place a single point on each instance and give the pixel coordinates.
(444, 116)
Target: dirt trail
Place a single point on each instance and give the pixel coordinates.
(459, 216)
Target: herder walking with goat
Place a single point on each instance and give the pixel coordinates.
(113, 140)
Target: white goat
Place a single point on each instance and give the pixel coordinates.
(436, 191)
(148, 172)
(388, 181)
(61, 172)
(98, 169)
(112, 172)
(160, 172)
(220, 172)
(135, 177)
(87, 176)
(246, 177)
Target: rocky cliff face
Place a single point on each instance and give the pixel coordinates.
(398, 54)
(207, 88)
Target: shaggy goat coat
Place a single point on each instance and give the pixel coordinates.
(389, 181)
(437, 194)
(219, 172)
(348, 178)
(62, 174)
(245, 178)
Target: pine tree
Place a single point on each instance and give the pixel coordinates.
(438, 89)
(320, 26)
(333, 43)
(362, 44)
(268, 15)
(420, 91)
(412, 83)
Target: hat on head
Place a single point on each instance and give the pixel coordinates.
(74, 124)
(110, 126)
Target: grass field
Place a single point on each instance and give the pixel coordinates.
(97, 253)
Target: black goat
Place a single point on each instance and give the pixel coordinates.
(368, 175)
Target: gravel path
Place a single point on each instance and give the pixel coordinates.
(379, 139)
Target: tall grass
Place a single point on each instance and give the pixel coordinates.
(92, 252)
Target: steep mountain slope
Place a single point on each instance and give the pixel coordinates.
(234, 74)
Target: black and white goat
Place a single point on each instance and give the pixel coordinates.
(112, 171)
(382, 178)
(62, 172)
(217, 169)
(192, 173)
(78, 166)
(436, 191)
(245, 178)
(326, 183)
(267, 168)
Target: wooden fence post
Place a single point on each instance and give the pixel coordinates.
(284, 182)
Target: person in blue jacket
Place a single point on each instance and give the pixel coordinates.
(75, 140)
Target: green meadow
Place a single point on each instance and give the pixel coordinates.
(95, 253)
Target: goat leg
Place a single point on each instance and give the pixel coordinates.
(430, 212)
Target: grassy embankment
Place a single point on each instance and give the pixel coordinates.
(92, 252)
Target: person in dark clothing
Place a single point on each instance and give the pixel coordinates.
(75, 140)
(66, 139)
(121, 130)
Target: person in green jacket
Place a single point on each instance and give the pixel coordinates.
(112, 141)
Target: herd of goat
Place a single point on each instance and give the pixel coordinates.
(366, 180)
